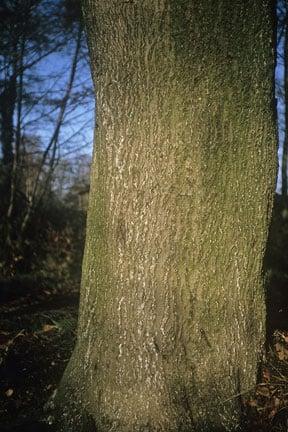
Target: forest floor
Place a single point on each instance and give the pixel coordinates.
(37, 335)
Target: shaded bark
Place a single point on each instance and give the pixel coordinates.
(172, 309)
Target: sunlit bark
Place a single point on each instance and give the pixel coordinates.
(172, 307)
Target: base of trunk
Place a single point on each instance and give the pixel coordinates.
(85, 407)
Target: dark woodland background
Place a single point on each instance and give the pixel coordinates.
(46, 123)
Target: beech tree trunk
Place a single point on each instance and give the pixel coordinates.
(172, 313)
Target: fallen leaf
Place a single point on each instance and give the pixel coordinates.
(281, 351)
(252, 403)
(266, 374)
(272, 413)
(9, 392)
(48, 327)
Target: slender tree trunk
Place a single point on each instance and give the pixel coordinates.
(7, 108)
(49, 155)
(8, 102)
(172, 310)
(14, 183)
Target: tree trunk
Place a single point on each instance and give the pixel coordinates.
(8, 100)
(172, 312)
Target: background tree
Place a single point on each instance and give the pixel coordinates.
(172, 313)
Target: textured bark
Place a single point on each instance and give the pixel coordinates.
(172, 310)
